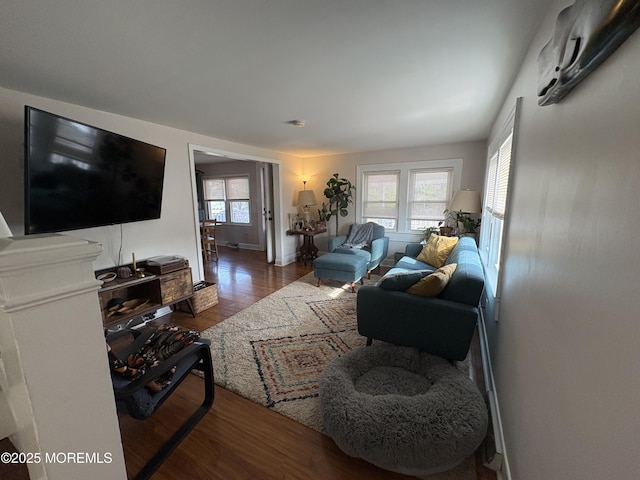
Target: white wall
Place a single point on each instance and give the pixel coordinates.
(566, 349)
(175, 232)
(320, 169)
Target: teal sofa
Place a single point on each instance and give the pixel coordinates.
(442, 325)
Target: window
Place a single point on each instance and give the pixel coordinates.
(496, 202)
(380, 198)
(228, 199)
(406, 198)
(429, 193)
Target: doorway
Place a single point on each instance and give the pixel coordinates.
(268, 202)
(261, 233)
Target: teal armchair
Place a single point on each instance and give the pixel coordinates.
(374, 253)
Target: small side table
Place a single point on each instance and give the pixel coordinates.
(308, 250)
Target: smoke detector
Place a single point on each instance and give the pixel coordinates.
(297, 123)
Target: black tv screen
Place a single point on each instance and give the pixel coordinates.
(79, 176)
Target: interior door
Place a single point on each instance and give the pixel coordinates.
(267, 211)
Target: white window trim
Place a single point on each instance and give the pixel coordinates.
(226, 200)
(404, 167)
(494, 273)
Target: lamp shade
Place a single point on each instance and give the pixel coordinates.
(466, 201)
(306, 197)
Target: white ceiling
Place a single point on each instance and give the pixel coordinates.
(363, 74)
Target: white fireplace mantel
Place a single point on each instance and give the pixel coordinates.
(54, 374)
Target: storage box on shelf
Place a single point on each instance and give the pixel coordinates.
(175, 286)
(166, 264)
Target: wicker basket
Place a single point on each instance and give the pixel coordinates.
(205, 295)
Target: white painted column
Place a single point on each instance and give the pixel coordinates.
(54, 373)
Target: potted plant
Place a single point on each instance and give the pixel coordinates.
(447, 226)
(469, 225)
(339, 192)
(426, 233)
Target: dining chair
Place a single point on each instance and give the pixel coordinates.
(208, 236)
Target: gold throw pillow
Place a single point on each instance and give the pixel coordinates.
(437, 249)
(432, 285)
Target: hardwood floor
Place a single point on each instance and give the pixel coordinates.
(239, 439)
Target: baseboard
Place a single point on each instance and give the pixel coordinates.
(291, 258)
(494, 452)
(243, 246)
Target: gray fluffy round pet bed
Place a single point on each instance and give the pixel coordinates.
(402, 410)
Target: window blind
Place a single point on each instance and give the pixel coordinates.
(502, 177)
(491, 182)
(494, 215)
(381, 195)
(406, 197)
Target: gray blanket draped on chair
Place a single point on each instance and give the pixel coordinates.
(360, 235)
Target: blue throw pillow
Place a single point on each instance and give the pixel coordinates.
(401, 281)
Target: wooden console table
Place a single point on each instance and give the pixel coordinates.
(153, 291)
(308, 250)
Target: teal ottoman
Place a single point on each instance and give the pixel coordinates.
(342, 267)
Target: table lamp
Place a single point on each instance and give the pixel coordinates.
(466, 201)
(306, 198)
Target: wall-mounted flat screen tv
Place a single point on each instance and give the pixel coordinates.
(79, 176)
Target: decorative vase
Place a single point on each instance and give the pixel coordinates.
(446, 231)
